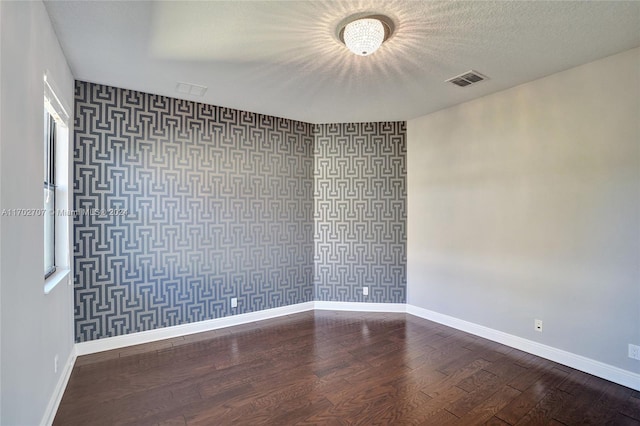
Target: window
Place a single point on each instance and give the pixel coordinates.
(56, 213)
(49, 194)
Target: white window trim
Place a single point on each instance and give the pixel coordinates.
(56, 278)
(63, 223)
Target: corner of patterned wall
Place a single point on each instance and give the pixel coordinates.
(182, 206)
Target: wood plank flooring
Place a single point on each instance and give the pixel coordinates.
(336, 368)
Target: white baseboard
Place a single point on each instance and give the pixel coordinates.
(117, 342)
(597, 368)
(360, 306)
(56, 396)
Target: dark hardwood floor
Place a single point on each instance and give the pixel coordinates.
(337, 368)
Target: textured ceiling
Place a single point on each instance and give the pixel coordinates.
(282, 58)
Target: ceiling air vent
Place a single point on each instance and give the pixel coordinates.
(467, 78)
(190, 89)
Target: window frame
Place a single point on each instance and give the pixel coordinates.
(61, 175)
(50, 186)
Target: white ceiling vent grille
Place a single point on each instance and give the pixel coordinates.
(191, 89)
(466, 79)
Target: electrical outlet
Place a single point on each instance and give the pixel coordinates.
(365, 291)
(538, 325)
(234, 302)
(55, 364)
(634, 351)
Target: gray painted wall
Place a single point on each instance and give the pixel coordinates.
(526, 204)
(35, 327)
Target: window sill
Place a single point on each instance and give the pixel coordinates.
(54, 279)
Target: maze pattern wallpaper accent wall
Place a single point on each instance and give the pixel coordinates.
(360, 210)
(181, 206)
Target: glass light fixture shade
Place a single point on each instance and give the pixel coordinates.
(364, 36)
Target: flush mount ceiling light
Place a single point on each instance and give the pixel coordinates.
(363, 35)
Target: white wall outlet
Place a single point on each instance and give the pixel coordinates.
(634, 351)
(365, 291)
(234, 302)
(537, 324)
(55, 364)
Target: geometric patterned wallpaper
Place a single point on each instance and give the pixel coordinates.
(207, 203)
(360, 208)
(182, 206)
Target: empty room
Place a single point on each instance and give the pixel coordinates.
(319, 212)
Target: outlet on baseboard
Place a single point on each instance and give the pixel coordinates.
(634, 351)
(365, 291)
(538, 325)
(234, 302)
